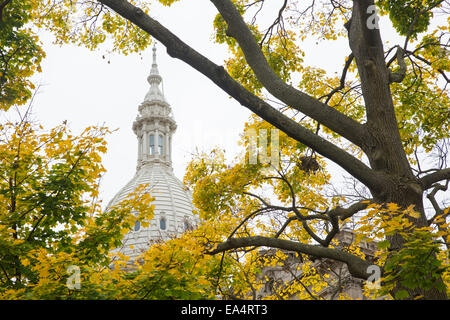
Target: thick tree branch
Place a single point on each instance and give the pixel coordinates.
(428, 181)
(330, 117)
(357, 266)
(2, 6)
(178, 49)
(434, 203)
(345, 213)
(440, 216)
(400, 74)
(387, 153)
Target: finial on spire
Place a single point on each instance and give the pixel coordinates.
(154, 79)
(154, 53)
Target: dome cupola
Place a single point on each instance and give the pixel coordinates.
(154, 127)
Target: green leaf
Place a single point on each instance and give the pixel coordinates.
(401, 294)
(383, 244)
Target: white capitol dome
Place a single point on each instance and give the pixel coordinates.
(154, 127)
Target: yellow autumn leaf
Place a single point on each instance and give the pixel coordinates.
(25, 262)
(392, 206)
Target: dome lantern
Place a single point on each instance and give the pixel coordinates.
(154, 127)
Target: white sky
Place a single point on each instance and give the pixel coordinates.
(79, 86)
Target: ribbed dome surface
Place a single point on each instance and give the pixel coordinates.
(173, 203)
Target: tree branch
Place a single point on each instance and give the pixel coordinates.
(2, 6)
(348, 62)
(277, 21)
(217, 74)
(387, 152)
(345, 213)
(428, 180)
(431, 197)
(330, 117)
(284, 226)
(440, 215)
(399, 75)
(357, 266)
(444, 75)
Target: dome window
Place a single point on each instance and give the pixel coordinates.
(152, 144)
(137, 225)
(163, 224)
(187, 224)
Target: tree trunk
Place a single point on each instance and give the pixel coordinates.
(404, 199)
(384, 148)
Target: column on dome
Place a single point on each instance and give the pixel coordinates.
(146, 144)
(156, 140)
(166, 142)
(170, 147)
(140, 147)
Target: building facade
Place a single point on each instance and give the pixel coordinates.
(340, 283)
(154, 128)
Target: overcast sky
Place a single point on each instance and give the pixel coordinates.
(81, 87)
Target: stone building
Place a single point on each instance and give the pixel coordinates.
(339, 279)
(154, 128)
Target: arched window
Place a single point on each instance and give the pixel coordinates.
(163, 223)
(137, 225)
(152, 144)
(187, 225)
(160, 145)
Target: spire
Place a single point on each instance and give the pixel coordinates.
(154, 79)
(154, 126)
